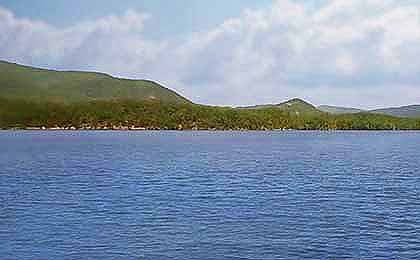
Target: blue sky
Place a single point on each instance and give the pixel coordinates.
(169, 17)
(360, 53)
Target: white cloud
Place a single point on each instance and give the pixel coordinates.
(359, 52)
(359, 47)
(114, 44)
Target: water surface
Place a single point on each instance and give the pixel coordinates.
(209, 195)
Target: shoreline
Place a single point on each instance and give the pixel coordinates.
(206, 130)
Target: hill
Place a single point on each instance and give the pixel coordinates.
(412, 111)
(339, 110)
(33, 84)
(294, 106)
(32, 98)
(405, 111)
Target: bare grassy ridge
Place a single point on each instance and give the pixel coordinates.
(22, 82)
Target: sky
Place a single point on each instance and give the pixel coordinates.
(356, 53)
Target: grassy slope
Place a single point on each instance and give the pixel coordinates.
(402, 112)
(339, 110)
(22, 82)
(294, 106)
(299, 106)
(406, 111)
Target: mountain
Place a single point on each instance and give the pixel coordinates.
(339, 110)
(412, 111)
(295, 106)
(33, 84)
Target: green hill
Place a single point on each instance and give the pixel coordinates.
(339, 110)
(405, 111)
(32, 98)
(412, 111)
(33, 84)
(294, 106)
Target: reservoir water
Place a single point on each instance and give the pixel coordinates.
(209, 195)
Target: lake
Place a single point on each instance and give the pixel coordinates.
(209, 195)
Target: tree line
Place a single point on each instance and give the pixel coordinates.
(130, 114)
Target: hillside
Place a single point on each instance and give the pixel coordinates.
(339, 110)
(135, 115)
(294, 106)
(405, 111)
(33, 84)
(412, 111)
(32, 98)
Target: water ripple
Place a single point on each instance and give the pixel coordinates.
(201, 195)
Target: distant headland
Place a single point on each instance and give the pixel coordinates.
(39, 99)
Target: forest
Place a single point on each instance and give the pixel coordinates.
(151, 115)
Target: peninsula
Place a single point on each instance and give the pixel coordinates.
(33, 98)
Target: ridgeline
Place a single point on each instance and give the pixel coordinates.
(32, 98)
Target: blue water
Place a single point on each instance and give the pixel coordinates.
(209, 195)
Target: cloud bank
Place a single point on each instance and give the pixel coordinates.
(357, 53)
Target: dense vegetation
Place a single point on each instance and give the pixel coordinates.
(38, 98)
(126, 114)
